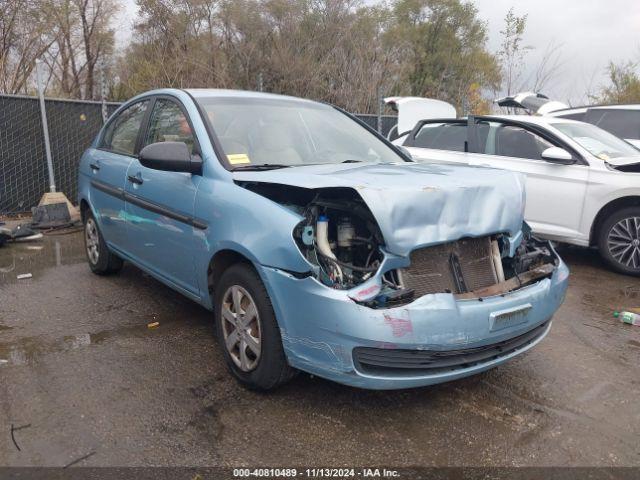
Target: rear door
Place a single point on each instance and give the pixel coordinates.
(108, 164)
(555, 192)
(160, 205)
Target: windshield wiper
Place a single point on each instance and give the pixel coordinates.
(262, 166)
(352, 160)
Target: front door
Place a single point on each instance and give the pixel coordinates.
(160, 205)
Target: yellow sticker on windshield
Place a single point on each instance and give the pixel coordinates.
(238, 158)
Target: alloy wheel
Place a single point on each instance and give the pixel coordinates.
(623, 242)
(92, 241)
(241, 328)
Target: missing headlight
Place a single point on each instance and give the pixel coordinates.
(341, 237)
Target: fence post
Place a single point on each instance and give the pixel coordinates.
(103, 93)
(45, 126)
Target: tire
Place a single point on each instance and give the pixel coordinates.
(100, 259)
(619, 241)
(253, 354)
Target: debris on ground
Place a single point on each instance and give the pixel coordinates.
(24, 233)
(153, 325)
(24, 276)
(21, 233)
(15, 429)
(78, 460)
(628, 317)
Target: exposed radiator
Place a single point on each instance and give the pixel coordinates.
(457, 267)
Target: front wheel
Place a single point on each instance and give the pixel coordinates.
(619, 241)
(247, 330)
(101, 260)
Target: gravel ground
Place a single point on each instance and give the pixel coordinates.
(83, 375)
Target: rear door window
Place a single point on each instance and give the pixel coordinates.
(442, 136)
(122, 133)
(622, 123)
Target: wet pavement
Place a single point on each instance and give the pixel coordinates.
(81, 374)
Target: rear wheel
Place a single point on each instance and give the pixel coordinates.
(619, 241)
(247, 330)
(101, 260)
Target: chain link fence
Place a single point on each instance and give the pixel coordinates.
(73, 125)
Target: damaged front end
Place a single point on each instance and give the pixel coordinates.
(340, 238)
(404, 287)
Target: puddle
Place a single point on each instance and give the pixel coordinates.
(29, 350)
(39, 256)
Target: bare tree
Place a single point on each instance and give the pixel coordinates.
(549, 67)
(83, 37)
(24, 37)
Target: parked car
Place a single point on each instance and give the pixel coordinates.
(318, 245)
(621, 120)
(582, 183)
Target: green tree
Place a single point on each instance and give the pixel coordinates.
(624, 84)
(512, 51)
(442, 51)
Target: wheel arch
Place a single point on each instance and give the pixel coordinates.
(84, 207)
(609, 209)
(221, 261)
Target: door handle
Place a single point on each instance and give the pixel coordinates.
(134, 179)
(94, 166)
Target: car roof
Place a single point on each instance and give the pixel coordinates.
(531, 119)
(227, 93)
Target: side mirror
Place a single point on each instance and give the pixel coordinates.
(170, 157)
(558, 155)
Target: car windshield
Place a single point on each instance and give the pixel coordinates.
(597, 141)
(268, 132)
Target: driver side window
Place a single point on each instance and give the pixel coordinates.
(169, 124)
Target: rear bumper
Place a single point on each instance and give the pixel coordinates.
(322, 327)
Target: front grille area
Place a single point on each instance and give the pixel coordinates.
(397, 362)
(434, 269)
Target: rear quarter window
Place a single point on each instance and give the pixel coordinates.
(573, 116)
(622, 123)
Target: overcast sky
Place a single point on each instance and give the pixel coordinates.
(590, 34)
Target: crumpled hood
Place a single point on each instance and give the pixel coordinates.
(418, 204)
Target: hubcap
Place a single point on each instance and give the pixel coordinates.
(624, 242)
(92, 241)
(241, 328)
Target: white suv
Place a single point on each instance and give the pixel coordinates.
(582, 183)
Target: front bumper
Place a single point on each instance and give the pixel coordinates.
(320, 327)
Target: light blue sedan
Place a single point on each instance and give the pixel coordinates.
(317, 244)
